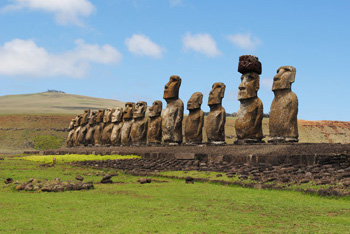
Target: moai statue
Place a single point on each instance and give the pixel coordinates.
(127, 123)
(195, 119)
(108, 126)
(250, 114)
(99, 127)
(71, 130)
(117, 120)
(173, 114)
(139, 126)
(89, 136)
(84, 127)
(284, 108)
(154, 133)
(215, 124)
(77, 127)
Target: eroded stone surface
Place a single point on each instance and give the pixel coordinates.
(108, 126)
(117, 121)
(127, 123)
(89, 137)
(154, 132)
(248, 123)
(195, 120)
(139, 126)
(283, 123)
(99, 127)
(215, 123)
(172, 116)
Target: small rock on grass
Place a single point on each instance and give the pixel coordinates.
(8, 180)
(144, 180)
(189, 180)
(79, 177)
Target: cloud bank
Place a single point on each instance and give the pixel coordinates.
(65, 11)
(201, 43)
(24, 57)
(139, 44)
(244, 41)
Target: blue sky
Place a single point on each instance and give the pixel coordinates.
(127, 50)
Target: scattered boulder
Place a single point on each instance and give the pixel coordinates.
(79, 177)
(54, 186)
(1, 158)
(189, 180)
(144, 180)
(8, 180)
(107, 179)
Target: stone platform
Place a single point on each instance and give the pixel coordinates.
(274, 154)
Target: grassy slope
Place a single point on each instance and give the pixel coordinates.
(170, 207)
(53, 103)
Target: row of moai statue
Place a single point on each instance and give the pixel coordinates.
(129, 126)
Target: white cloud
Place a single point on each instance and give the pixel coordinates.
(174, 3)
(24, 57)
(141, 45)
(266, 83)
(244, 41)
(201, 43)
(65, 11)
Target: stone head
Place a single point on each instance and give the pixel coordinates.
(86, 115)
(117, 115)
(171, 89)
(156, 109)
(100, 115)
(140, 109)
(107, 117)
(128, 110)
(77, 120)
(284, 78)
(217, 93)
(249, 86)
(71, 124)
(92, 118)
(195, 101)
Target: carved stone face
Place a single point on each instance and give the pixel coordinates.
(77, 120)
(195, 101)
(284, 78)
(71, 124)
(107, 117)
(217, 93)
(140, 110)
(156, 109)
(92, 118)
(100, 115)
(117, 115)
(128, 110)
(171, 89)
(249, 86)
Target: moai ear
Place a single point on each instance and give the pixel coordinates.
(292, 75)
(223, 88)
(257, 86)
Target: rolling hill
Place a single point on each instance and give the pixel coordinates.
(52, 103)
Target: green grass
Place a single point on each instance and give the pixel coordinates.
(168, 207)
(75, 157)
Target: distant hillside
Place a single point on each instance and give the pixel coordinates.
(52, 103)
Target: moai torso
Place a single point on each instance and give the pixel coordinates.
(249, 120)
(216, 119)
(248, 123)
(283, 122)
(98, 128)
(172, 116)
(127, 123)
(154, 132)
(89, 137)
(77, 128)
(117, 120)
(108, 127)
(71, 130)
(139, 126)
(195, 120)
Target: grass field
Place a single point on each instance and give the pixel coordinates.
(159, 207)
